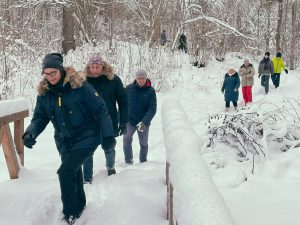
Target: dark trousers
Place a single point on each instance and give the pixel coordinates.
(265, 82)
(110, 155)
(127, 143)
(227, 104)
(276, 79)
(71, 180)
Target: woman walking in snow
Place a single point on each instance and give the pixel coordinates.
(109, 86)
(231, 86)
(79, 117)
(246, 72)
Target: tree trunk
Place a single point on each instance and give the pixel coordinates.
(294, 33)
(279, 26)
(268, 27)
(68, 42)
(111, 24)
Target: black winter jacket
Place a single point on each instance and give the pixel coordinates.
(112, 91)
(77, 112)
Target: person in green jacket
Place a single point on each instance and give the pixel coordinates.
(278, 66)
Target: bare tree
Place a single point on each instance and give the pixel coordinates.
(68, 42)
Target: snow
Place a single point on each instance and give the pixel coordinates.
(137, 194)
(8, 107)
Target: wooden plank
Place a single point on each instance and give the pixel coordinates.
(19, 130)
(0, 135)
(9, 152)
(13, 117)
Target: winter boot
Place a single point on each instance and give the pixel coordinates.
(226, 109)
(111, 171)
(70, 219)
(235, 108)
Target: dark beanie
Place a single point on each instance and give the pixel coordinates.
(53, 60)
(267, 53)
(278, 54)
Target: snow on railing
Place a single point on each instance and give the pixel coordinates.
(193, 198)
(13, 111)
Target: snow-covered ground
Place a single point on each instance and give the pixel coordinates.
(137, 194)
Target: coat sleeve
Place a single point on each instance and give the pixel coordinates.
(271, 67)
(151, 109)
(252, 72)
(96, 105)
(39, 119)
(122, 101)
(282, 64)
(238, 82)
(224, 84)
(260, 68)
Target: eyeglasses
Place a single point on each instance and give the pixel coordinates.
(51, 74)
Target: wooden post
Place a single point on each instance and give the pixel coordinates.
(170, 205)
(9, 152)
(167, 172)
(18, 130)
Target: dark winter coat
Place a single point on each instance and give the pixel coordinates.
(110, 87)
(163, 38)
(266, 67)
(230, 86)
(247, 74)
(142, 103)
(77, 112)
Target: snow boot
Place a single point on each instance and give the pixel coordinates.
(70, 219)
(111, 171)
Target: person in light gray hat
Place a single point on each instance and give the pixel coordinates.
(141, 109)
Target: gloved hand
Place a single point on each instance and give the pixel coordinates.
(28, 139)
(141, 126)
(122, 129)
(286, 71)
(109, 143)
(259, 75)
(222, 91)
(235, 90)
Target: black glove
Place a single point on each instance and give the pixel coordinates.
(122, 129)
(109, 143)
(259, 75)
(222, 91)
(286, 71)
(28, 139)
(141, 126)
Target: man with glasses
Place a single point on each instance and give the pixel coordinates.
(142, 108)
(79, 117)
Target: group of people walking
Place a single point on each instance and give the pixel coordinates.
(267, 68)
(88, 109)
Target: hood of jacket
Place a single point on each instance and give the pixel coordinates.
(75, 79)
(108, 71)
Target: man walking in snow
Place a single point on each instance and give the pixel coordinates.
(142, 108)
(265, 69)
(278, 66)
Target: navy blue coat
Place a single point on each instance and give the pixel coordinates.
(78, 114)
(230, 84)
(112, 91)
(142, 103)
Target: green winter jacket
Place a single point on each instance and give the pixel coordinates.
(278, 64)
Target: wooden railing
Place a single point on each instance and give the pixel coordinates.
(12, 144)
(185, 170)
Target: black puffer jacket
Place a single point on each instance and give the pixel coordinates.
(77, 112)
(112, 92)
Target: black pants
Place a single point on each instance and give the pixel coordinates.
(71, 180)
(276, 79)
(227, 104)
